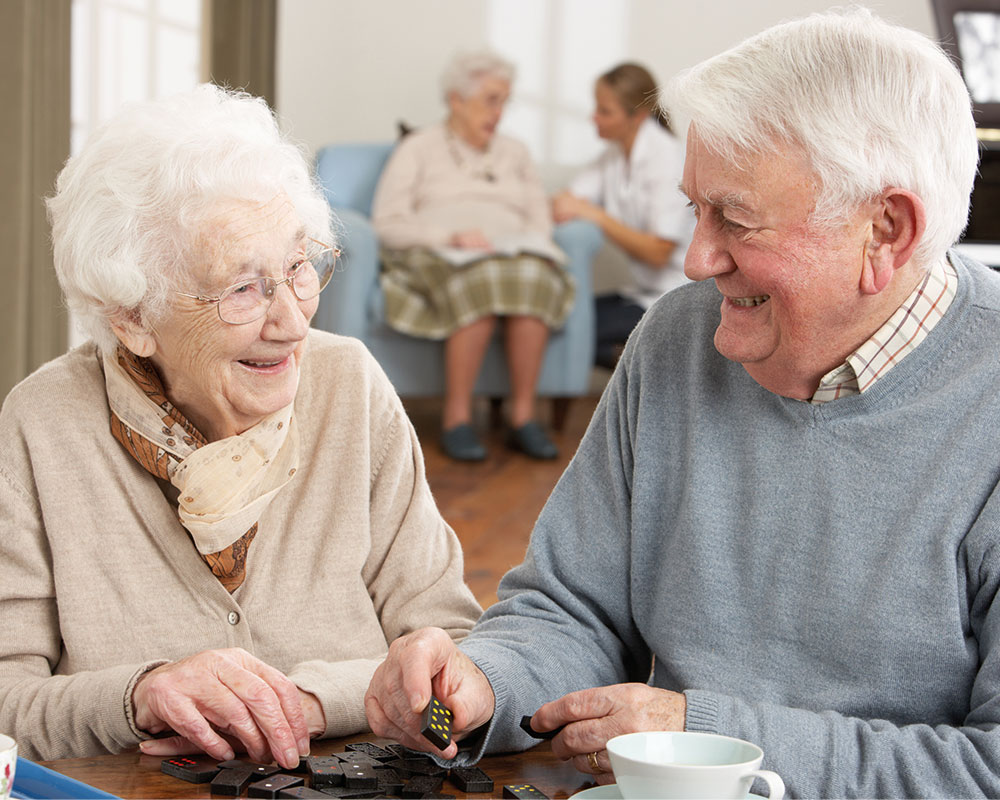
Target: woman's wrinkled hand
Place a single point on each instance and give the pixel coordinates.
(217, 698)
(419, 664)
(470, 240)
(178, 745)
(593, 716)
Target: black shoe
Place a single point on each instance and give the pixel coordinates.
(531, 440)
(462, 444)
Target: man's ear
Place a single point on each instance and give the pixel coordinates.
(131, 332)
(898, 224)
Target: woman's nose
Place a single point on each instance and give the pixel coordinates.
(288, 317)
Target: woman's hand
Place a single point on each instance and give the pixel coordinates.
(218, 697)
(470, 240)
(566, 206)
(419, 664)
(593, 716)
(178, 745)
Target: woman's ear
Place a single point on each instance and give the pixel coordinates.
(897, 227)
(128, 327)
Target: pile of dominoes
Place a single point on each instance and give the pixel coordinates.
(361, 770)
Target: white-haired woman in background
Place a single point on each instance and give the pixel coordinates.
(465, 228)
(212, 519)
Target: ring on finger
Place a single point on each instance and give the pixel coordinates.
(594, 764)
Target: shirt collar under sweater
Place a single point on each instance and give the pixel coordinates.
(893, 341)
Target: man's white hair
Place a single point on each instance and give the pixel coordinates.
(870, 104)
(129, 207)
(466, 70)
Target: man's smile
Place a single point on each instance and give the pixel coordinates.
(747, 302)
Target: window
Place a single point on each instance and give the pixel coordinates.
(560, 47)
(979, 44)
(130, 50)
(126, 50)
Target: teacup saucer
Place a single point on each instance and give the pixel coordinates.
(610, 792)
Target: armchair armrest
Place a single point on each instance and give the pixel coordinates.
(580, 240)
(344, 305)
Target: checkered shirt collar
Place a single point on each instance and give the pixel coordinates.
(897, 338)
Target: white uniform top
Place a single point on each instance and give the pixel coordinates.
(642, 192)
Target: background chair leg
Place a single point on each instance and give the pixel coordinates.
(496, 413)
(560, 410)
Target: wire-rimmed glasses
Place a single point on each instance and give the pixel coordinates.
(249, 301)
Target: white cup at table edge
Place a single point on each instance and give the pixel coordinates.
(707, 765)
(8, 764)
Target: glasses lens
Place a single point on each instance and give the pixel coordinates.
(314, 274)
(246, 302)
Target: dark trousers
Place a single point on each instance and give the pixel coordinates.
(616, 317)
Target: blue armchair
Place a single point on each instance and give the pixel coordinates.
(353, 303)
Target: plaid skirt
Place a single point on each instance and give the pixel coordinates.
(428, 297)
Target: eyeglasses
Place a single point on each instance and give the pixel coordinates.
(249, 301)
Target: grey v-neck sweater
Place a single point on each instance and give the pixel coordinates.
(816, 579)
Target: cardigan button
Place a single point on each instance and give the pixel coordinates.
(233, 618)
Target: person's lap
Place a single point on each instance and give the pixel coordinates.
(427, 297)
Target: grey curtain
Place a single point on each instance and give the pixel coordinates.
(242, 45)
(34, 144)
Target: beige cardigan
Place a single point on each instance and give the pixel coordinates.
(433, 187)
(98, 580)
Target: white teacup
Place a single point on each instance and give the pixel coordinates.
(668, 765)
(8, 763)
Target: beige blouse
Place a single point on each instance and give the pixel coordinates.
(435, 185)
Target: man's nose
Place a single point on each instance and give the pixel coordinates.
(706, 256)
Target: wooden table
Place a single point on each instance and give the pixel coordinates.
(133, 775)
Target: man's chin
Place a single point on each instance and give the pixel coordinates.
(736, 349)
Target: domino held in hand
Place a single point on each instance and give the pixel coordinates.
(526, 727)
(437, 724)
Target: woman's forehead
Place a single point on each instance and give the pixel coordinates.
(237, 221)
(241, 231)
(491, 85)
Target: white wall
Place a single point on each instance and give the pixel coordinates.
(349, 69)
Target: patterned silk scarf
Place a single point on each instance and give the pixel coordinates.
(224, 485)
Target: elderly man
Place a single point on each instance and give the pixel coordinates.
(783, 522)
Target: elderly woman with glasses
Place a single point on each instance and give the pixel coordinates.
(213, 520)
(465, 228)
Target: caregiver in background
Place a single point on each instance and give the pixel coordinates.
(631, 192)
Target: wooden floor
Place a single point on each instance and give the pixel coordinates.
(493, 505)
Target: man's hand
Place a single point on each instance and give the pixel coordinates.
(470, 240)
(593, 716)
(419, 664)
(219, 697)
